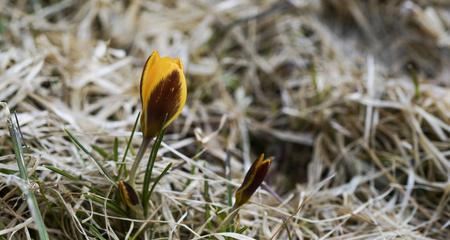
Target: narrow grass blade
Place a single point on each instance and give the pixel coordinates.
(7, 171)
(229, 187)
(116, 150)
(111, 205)
(243, 229)
(31, 198)
(64, 173)
(100, 151)
(81, 147)
(122, 165)
(228, 175)
(149, 170)
(94, 231)
(188, 181)
(164, 172)
(207, 198)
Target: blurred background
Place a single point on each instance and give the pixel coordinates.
(345, 89)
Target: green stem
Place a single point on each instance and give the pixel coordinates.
(149, 170)
(137, 161)
(231, 215)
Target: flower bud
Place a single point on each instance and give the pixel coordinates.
(163, 93)
(253, 179)
(127, 193)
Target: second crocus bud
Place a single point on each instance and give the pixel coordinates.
(128, 195)
(253, 179)
(163, 93)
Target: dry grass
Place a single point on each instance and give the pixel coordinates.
(360, 151)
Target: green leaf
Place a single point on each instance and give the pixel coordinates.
(110, 204)
(81, 147)
(149, 170)
(122, 165)
(164, 172)
(94, 231)
(116, 150)
(100, 151)
(207, 198)
(16, 137)
(7, 171)
(64, 173)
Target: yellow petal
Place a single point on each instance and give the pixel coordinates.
(163, 93)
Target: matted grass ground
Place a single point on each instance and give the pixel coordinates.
(351, 98)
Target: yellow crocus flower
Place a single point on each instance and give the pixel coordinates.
(163, 93)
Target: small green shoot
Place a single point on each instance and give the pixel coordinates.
(116, 150)
(413, 71)
(100, 151)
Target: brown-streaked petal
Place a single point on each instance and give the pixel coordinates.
(253, 179)
(129, 196)
(163, 103)
(163, 93)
